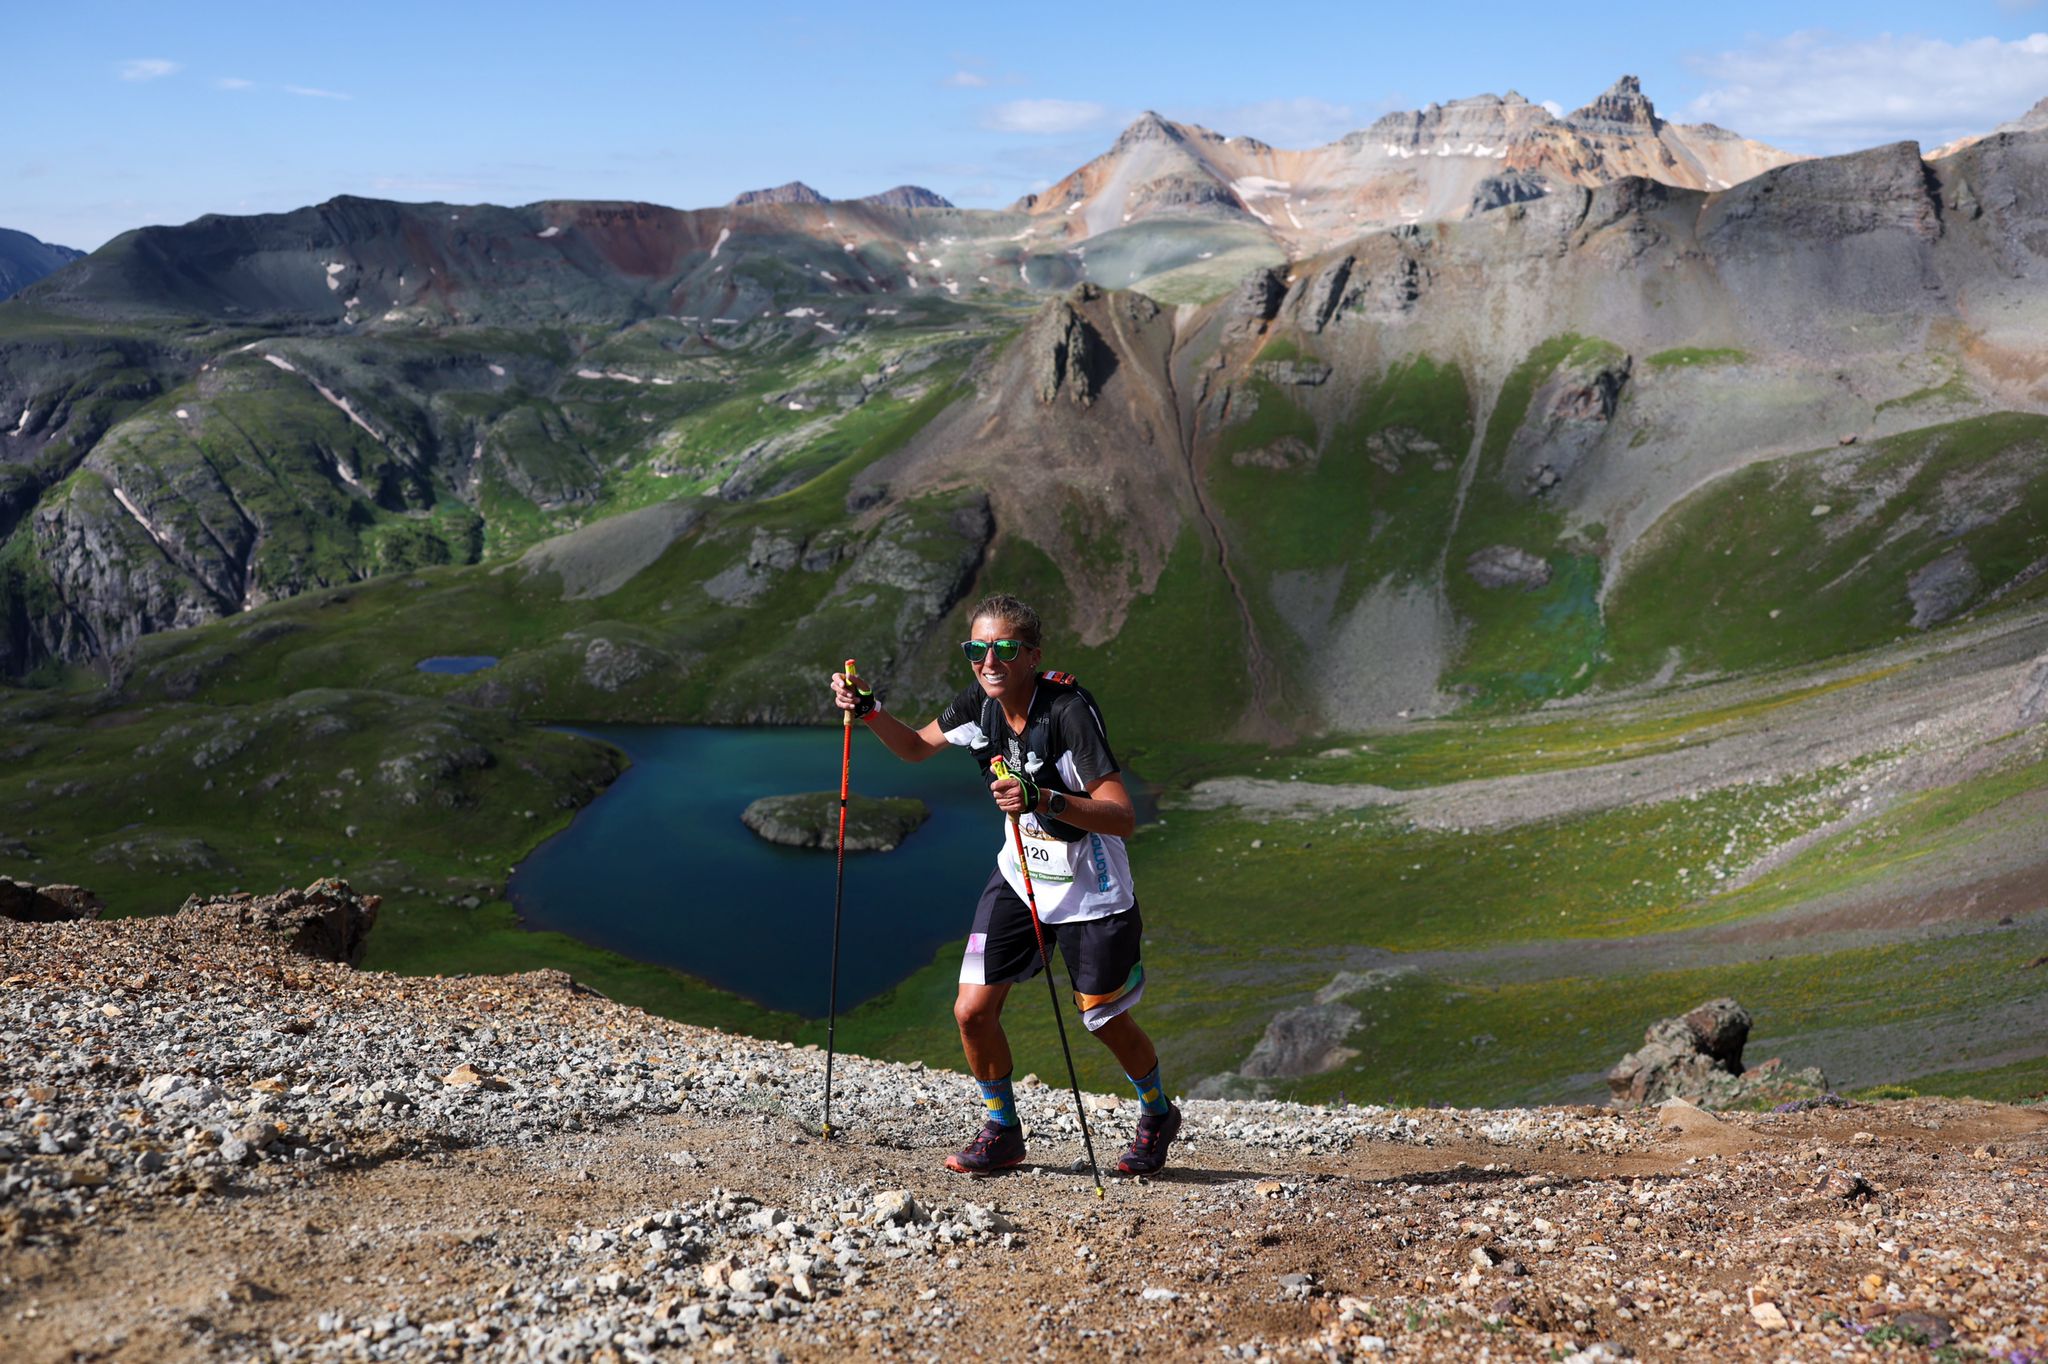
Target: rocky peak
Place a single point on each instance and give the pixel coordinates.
(2034, 120)
(1149, 127)
(1623, 108)
(795, 192)
(908, 196)
(1490, 120)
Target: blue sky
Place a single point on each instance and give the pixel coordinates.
(119, 115)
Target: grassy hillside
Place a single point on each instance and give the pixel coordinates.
(1813, 555)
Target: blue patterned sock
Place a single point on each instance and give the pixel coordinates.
(1151, 1093)
(1000, 1102)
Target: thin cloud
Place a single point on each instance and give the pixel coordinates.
(147, 69)
(233, 83)
(966, 80)
(1042, 117)
(308, 92)
(1814, 91)
(423, 184)
(1551, 107)
(1303, 121)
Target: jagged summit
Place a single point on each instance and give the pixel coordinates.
(907, 196)
(1151, 127)
(795, 192)
(1621, 108)
(2035, 120)
(1441, 162)
(1486, 119)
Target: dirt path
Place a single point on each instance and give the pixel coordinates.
(1383, 1227)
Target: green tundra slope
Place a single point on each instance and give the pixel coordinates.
(1618, 597)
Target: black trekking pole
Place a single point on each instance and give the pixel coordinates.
(1002, 771)
(838, 903)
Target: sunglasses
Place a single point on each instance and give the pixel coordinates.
(1005, 649)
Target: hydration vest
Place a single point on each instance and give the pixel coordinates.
(1031, 751)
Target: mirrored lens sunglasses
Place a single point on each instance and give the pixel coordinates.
(1006, 649)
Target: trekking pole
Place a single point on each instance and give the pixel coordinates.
(1002, 771)
(838, 902)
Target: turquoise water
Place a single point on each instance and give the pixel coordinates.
(660, 868)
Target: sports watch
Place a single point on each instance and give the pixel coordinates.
(1055, 803)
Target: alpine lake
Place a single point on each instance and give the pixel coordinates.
(660, 869)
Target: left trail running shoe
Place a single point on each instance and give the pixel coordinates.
(995, 1147)
(1147, 1152)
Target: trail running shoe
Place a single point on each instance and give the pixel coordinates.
(1147, 1151)
(995, 1147)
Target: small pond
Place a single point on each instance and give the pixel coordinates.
(457, 663)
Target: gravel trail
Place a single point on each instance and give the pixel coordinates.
(214, 1149)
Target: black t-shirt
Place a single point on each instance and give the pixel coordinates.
(1064, 746)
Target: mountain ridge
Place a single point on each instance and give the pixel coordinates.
(24, 260)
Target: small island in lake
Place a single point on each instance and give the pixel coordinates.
(810, 819)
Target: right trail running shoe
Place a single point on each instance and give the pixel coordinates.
(995, 1147)
(1147, 1152)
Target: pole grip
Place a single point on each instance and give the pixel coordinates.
(846, 716)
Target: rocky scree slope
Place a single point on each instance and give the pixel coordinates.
(215, 1145)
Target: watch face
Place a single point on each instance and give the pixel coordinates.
(1057, 804)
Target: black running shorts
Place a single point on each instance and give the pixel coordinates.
(1101, 954)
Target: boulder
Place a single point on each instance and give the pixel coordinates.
(327, 920)
(1506, 566)
(1697, 1056)
(47, 904)
(810, 819)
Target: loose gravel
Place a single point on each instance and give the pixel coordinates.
(211, 1148)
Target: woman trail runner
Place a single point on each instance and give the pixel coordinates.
(1074, 815)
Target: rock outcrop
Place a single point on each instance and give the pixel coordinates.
(326, 921)
(2030, 697)
(1698, 1057)
(810, 819)
(1068, 356)
(1942, 587)
(47, 904)
(795, 192)
(1506, 566)
(907, 196)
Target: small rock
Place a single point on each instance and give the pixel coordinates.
(1160, 1295)
(1767, 1315)
(899, 1207)
(1935, 1329)
(1843, 1186)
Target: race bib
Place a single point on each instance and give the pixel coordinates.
(1049, 860)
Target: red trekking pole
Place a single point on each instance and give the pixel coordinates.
(838, 902)
(1002, 771)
